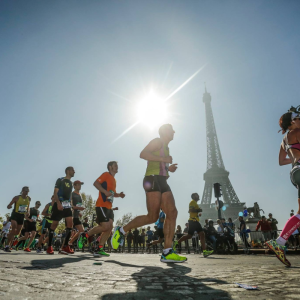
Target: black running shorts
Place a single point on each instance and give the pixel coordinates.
(160, 232)
(57, 214)
(295, 177)
(194, 226)
(156, 183)
(76, 221)
(29, 226)
(104, 214)
(19, 218)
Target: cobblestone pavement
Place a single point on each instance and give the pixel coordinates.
(143, 276)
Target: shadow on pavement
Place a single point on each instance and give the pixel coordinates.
(168, 283)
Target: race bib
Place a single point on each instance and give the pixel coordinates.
(34, 218)
(22, 208)
(66, 204)
(79, 205)
(111, 198)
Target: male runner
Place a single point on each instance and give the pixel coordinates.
(160, 229)
(46, 224)
(158, 194)
(30, 224)
(21, 207)
(194, 225)
(106, 184)
(62, 209)
(77, 207)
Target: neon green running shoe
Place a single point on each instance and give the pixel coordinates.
(175, 245)
(117, 238)
(279, 251)
(207, 253)
(81, 240)
(100, 252)
(172, 257)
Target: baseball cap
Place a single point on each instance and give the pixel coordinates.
(77, 181)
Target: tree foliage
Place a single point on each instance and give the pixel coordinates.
(125, 219)
(89, 204)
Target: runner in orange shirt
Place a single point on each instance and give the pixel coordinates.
(106, 184)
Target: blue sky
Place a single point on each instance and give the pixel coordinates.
(72, 73)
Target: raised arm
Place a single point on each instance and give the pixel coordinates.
(153, 146)
(13, 201)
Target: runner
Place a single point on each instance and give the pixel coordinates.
(46, 224)
(30, 225)
(289, 154)
(106, 184)
(158, 194)
(5, 230)
(21, 207)
(85, 224)
(195, 226)
(62, 210)
(160, 229)
(77, 207)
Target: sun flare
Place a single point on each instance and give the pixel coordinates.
(152, 110)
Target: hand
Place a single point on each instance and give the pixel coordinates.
(9, 207)
(59, 206)
(173, 168)
(108, 194)
(122, 195)
(168, 159)
(116, 208)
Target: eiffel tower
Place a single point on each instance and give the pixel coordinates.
(216, 172)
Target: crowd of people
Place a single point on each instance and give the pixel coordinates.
(66, 204)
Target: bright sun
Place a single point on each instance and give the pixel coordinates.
(152, 110)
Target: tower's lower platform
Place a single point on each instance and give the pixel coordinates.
(232, 211)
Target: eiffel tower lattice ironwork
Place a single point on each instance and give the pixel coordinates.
(215, 172)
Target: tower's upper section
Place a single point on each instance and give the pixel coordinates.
(206, 97)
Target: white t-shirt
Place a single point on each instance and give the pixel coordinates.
(220, 230)
(6, 226)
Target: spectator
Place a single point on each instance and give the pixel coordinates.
(265, 227)
(142, 239)
(243, 232)
(129, 237)
(220, 227)
(178, 234)
(206, 224)
(230, 224)
(224, 224)
(273, 223)
(149, 234)
(85, 224)
(185, 232)
(136, 234)
(212, 233)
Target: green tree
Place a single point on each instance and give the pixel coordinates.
(125, 219)
(89, 204)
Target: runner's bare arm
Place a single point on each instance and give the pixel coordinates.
(283, 159)
(44, 212)
(13, 201)
(122, 195)
(99, 187)
(153, 146)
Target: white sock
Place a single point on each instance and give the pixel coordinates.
(281, 241)
(165, 251)
(122, 230)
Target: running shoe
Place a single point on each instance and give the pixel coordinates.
(101, 252)
(50, 250)
(39, 250)
(117, 238)
(15, 242)
(279, 251)
(207, 253)
(82, 240)
(175, 245)
(173, 257)
(7, 249)
(27, 250)
(66, 250)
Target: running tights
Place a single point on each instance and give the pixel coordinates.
(291, 225)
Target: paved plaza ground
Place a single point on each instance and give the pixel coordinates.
(143, 276)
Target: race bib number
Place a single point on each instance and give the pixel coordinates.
(34, 218)
(22, 208)
(66, 204)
